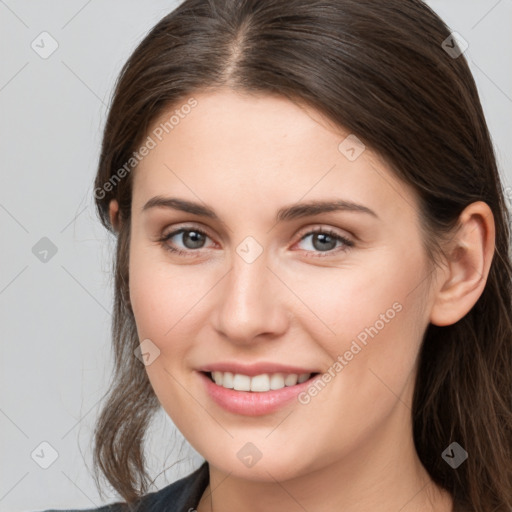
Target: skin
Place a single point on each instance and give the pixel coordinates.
(351, 447)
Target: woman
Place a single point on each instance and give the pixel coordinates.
(312, 274)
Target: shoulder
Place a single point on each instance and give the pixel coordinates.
(113, 507)
(184, 494)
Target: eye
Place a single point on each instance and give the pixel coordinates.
(325, 241)
(192, 238)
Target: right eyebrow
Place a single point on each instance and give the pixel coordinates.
(180, 204)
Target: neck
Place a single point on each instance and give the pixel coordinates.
(383, 473)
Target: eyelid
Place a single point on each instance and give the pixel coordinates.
(325, 228)
(186, 226)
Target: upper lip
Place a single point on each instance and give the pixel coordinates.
(254, 369)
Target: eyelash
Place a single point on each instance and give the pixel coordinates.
(320, 254)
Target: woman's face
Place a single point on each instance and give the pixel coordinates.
(257, 293)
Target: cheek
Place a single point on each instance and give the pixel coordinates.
(377, 321)
(369, 321)
(165, 303)
(378, 299)
(160, 294)
(169, 303)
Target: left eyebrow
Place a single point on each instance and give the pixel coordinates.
(300, 210)
(286, 213)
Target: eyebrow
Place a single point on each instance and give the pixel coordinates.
(287, 213)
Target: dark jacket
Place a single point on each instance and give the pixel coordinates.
(180, 496)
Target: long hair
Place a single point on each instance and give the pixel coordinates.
(382, 71)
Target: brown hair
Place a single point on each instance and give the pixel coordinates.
(379, 70)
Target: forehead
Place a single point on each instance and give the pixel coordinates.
(264, 149)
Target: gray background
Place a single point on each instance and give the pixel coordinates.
(55, 315)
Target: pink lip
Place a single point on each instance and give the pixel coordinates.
(250, 403)
(255, 369)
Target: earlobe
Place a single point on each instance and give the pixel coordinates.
(113, 212)
(467, 265)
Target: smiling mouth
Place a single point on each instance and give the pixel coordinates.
(258, 383)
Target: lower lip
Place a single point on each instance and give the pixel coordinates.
(252, 403)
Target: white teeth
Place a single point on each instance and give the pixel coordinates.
(227, 380)
(258, 383)
(277, 381)
(291, 380)
(241, 382)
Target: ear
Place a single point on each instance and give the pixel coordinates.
(468, 263)
(113, 212)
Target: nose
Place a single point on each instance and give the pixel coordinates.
(251, 304)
